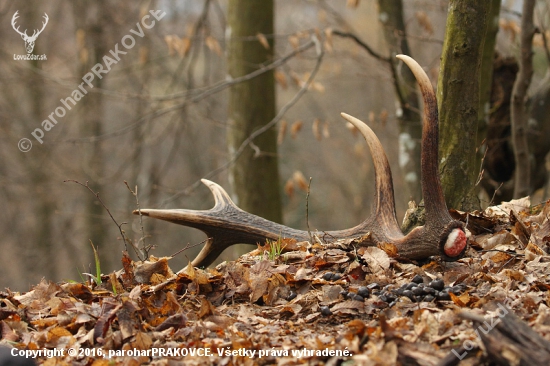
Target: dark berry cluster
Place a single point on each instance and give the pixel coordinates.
(418, 291)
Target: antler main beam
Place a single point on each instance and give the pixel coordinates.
(226, 224)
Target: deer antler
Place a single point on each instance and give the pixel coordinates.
(226, 224)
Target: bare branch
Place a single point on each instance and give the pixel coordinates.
(206, 93)
(365, 46)
(307, 211)
(96, 194)
(519, 94)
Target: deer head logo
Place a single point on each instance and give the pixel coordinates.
(29, 41)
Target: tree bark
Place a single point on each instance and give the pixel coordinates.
(42, 254)
(486, 76)
(458, 98)
(410, 124)
(91, 49)
(255, 175)
(518, 114)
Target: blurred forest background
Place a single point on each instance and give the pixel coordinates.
(156, 122)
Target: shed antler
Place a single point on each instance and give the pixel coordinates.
(226, 224)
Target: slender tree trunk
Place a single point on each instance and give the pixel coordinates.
(91, 50)
(519, 94)
(43, 253)
(458, 98)
(486, 76)
(255, 175)
(410, 124)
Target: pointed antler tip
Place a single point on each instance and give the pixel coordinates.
(353, 120)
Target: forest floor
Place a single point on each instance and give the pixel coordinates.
(291, 303)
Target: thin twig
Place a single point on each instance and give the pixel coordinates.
(495, 194)
(364, 45)
(143, 236)
(188, 246)
(307, 212)
(481, 170)
(96, 194)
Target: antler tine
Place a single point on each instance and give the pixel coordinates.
(434, 200)
(225, 225)
(384, 206)
(452, 240)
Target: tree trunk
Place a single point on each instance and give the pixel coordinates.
(518, 114)
(410, 124)
(486, 76)
(254, 176)
(91, 48)
(42, 255)
(458, 99)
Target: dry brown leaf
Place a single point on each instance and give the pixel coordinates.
(213, 45)
(372, 117)
(316, 129)
(389, 248)
(289, 187)
(532, 251)
(280, 78)
(377, 259)
(299, 180)
(352, 128)
(424, 21)
(206, 308)
(348, 307)
(500, 257)
(143, 271)
(263, 40)
(294, 41)
(295, 128)
(326, 131)
(384, 117)
(317, 86)
(282, 132)
(328, 40)
(291, 309)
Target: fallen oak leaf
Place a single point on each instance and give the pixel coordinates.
(377, 259)
(175, 321)
(108, 312)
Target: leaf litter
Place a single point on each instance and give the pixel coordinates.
(333, 304)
